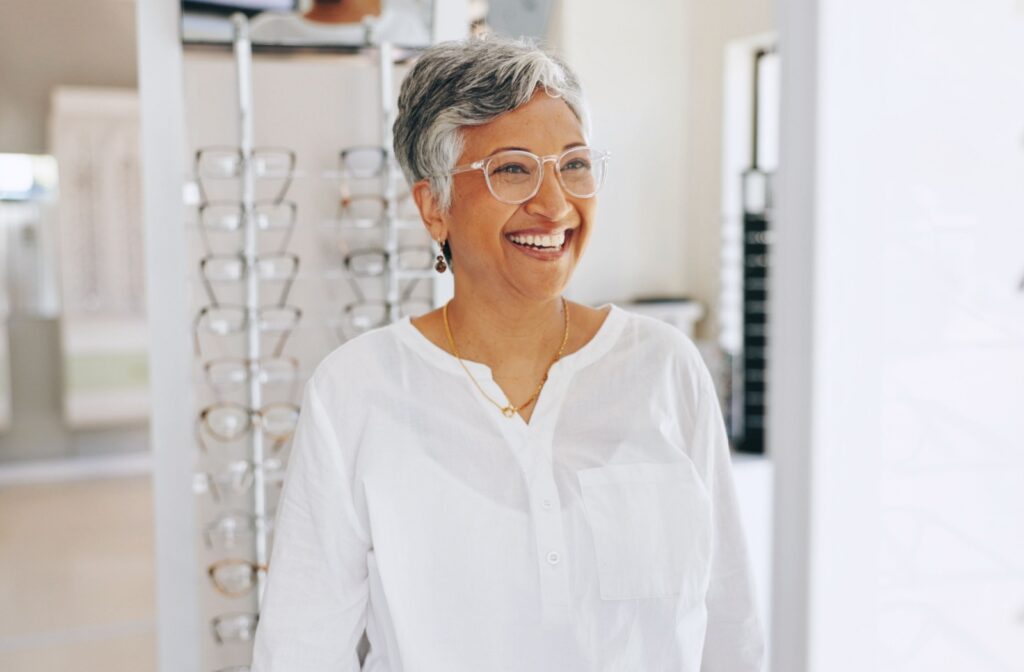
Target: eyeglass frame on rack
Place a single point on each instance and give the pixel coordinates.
(386, 257)
(205, 228)
(250, 627)
(285, 333)
(212, 480)
(288, 279)
(255, 568)
(242, 159)
(255, 418)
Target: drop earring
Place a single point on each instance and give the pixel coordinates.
(440, 266)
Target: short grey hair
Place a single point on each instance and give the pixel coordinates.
(470, 83)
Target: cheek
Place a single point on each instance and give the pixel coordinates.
(476, 220)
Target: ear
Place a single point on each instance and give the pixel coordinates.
(430, 210)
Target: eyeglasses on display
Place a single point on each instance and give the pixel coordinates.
(229, 320)
(361, 316)
(363, 161)
(219, 218)
(225, 373)
(227, 421)
(514, 176)
(367, 211)
(227, 530)
(237, 478)
(275, 166)
(233, 268)
(372, 262)
(233, 577)
(240, 627)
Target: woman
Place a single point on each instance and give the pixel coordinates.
(477, 506)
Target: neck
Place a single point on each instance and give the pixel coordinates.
(506, 333)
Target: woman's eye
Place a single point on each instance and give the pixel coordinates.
(576, 164)
(511, 169)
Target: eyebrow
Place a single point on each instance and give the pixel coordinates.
(524, 149)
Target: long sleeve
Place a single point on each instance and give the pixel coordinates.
(314, 608)
(735, 640)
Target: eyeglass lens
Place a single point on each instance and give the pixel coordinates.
(515, 176)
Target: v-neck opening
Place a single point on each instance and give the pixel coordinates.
(597, 345)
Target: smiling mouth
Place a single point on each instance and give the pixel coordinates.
(547, 243)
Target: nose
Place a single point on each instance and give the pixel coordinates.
(549, 202)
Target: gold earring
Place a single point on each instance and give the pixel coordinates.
(440, 266)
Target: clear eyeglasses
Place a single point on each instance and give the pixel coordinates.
(234, 628)
(233, 577)
(514, 176)
(227, 373)
(233, 268)
(361, 316)
(232, 320)
(272, 166)
(363, 161)
(220, 218)
(366, 211)
(372, 262)
(237, 477)
(228, 530)
(227, 421)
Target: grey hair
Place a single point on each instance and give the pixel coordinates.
(470, 83)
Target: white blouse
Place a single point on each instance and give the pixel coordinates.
(603, 535)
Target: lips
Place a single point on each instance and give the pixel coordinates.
(543, 255)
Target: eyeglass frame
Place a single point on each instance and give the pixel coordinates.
(403, 200)
(254, 568)
(252, 365)
(210, 479)
(255, 419)
(288, 280)
(253, 524)
(252, 622)
(242, 158)
(345, 318)
(387, 161)
(387, 256)
(289, 228)
(285, 333)
(482, 165)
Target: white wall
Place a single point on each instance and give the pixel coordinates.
(653, 73)
(899, 372)
(713, 25)
(637, 93)
(46, 44)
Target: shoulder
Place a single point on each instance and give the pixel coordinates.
(657, 336)
(370, 356)
(664, 350)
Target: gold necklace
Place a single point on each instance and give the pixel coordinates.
(510, 410)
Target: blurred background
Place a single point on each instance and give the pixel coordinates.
(826, 196)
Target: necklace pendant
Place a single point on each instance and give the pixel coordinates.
(508, 411)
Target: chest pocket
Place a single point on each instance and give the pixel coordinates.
(651, 525)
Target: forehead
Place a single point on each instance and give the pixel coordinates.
(543, 125)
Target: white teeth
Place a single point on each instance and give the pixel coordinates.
(539, 241)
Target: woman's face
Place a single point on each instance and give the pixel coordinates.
(478, 225)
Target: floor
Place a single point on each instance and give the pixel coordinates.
(77, 576)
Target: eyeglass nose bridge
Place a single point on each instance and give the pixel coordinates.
(553, 158)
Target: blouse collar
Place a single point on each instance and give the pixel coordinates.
(599, 343)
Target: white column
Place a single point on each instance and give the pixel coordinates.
(170, 361)
(898, 338)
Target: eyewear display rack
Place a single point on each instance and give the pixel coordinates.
(229, 635)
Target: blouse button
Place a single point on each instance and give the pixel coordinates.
(546, 503)
(553, 557)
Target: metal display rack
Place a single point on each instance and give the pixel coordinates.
(239, 628)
